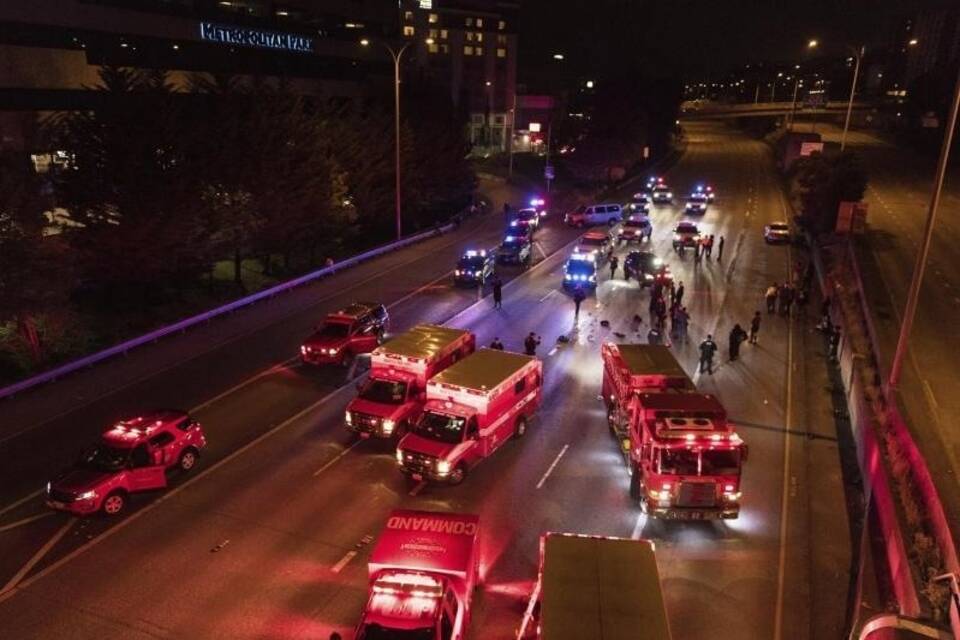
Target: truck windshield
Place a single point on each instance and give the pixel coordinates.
(384, 391)
(438, 426)
(721, 463)
(678, 462)
(377, 632)
(104, 458)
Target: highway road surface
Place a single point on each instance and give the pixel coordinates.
(269, 538)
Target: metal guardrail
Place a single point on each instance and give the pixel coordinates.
(206, 316)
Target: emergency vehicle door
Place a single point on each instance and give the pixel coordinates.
(479, 449)
(144, 475)
(366, 338)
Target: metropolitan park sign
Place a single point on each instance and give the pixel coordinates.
(245, 37)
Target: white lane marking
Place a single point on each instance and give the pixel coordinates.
(556, 461)
(20, 523)
(335, 459)
(788, 427)
(14, 505)
(552, 351)
(420, 289)
(37, 557)
(543, 253)
(240, 385)
(167, 496)
(344, 561)
(417, 489)
(547, 296)
(638, 528)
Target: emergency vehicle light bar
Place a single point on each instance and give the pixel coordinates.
(473, 253)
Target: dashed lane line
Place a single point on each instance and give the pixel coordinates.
(552, 466)
(336, 459)
(37, 557)
(25, 521)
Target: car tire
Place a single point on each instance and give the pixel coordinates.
(459, 474)
(347, 359)
(188, 460)
(114, 503)
(521, 428)
(636, 487)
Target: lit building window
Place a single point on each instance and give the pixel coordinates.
(502, 39)
(479, 37)
(479, 22)
(501, 25)
(469, 36)
(467, 50)
(433, 47)
(469, 22)
(408, 31)
(433, 33)
(408, 16)
(478, 51)
(432, 18)
(443, 34)
(501, 53)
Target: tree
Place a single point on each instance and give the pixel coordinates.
(819, 183)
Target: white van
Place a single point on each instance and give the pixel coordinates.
(586, 216)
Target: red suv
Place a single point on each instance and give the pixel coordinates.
(133, 455)
(357, 329)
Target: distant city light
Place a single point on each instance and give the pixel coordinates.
(812, 44)
(558, 56)
(913, 42)
(589, 84)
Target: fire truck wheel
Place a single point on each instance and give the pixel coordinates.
(636, 486)
(521, 427)
(114, 503)
(188, 460)
(459, 474)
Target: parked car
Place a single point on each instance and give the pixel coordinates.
(594, 214)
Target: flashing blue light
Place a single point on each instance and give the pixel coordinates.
(509, 239)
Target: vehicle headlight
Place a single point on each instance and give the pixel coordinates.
(332, 351)
(477, 273)
(669, 194)
(567, 276)
(663, 495)
(348, 418)
(87, 495)
(593, 278)
(388, 426)
(400, 456)
(443, 467)
(49, 485)
(304, 349)
(457, 272)
(731, 496)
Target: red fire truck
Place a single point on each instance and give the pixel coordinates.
(393, 395)
(595, 587)
(472, 408)
(684, 455)
(423, 571)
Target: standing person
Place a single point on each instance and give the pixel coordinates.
(771, 297)
(531, 343)
(755, 328)
(679, 294)
(834, 343)
(786, 298)
(707, 348)
(654, 336)
(497, 293)
(803, 297)
(684, 317)
(791, 296)
(698, 249)
(710, 246)
(720, 250)
(613, 267)
(578, 297)
(737, 336)
(496, 344)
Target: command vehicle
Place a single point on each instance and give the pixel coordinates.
(353, 330)
(696, 203)
(595, 587)
(629, 369)
(422, 573)
(134, 455)
(580, 270)
(635, 229)
(515, 249)
(587, 216)
(474, 267)
(472, 408)
(661, 193)
(685, 234)
(647, 269)
(595, 243)
(393, 395)
(686, 458)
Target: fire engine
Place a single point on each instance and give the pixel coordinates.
(472, 408)
(423, 571)
(595, 587)
(684, 456)
(392, 397)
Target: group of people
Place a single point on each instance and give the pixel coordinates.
(704, 248)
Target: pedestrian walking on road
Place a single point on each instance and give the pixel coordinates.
(771, 297)
(496, 344)
(613, 267)
(698, 250)
(834, 343)
(737, 336)
(707, 348)
(578, 297)
(684, 318)
(531, 343)
(678, 295)
(786, 298)
(497, 293)
(720, 250)
(755, 328)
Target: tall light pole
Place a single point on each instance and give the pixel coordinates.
(396, 54)
(858, 56)
(793, 106)
(773, 89)
(914, 293)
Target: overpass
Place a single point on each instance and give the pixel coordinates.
(709, 110)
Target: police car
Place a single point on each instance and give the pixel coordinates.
(661, 193)
(515, 249)
(636, 229)
(526, 218)
(474, 267)
(594, 243)
(580, 271)
(639, 205)
(697, 203)
(540, 204)
(646, 268)
(685, 234)
(706, 190)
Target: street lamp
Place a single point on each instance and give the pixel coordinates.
(858, 56)
(912, 42)
(558, 56)
(396, 54)
(813, 44)
(773, 89)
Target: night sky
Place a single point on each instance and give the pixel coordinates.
(695, 37)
